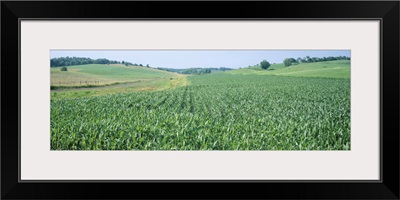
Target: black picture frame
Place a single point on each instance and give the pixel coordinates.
(13, 11)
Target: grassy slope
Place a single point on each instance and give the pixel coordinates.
(121, 72)
(132, 79)
(105, 73)
(329, 69)
(149, 85)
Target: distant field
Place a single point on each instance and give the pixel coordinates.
(97, 74)
(156, 84)
(328, 69)
(272, 67)
(95, 80)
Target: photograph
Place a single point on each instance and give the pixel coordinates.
(221, 100)
(298, 96)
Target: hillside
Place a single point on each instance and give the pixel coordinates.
(101, 79)
(99, 74)
(327, 69)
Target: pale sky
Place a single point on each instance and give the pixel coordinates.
(197, 58)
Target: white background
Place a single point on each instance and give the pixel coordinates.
(39, 163)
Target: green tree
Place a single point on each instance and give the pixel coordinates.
(64, 69)
(289, 61)
(264, 64)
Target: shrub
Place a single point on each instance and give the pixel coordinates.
(265, 64)
(289, 61)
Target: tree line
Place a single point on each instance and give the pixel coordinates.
(195, 71)
(290, 61)
(70, 61)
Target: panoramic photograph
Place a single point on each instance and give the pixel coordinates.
(222, 100)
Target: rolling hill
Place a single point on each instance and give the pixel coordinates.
(328, 69)
(98, 79)
(98, 74)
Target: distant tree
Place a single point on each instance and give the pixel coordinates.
(289, 61)
(223, 69)
(264, 64)
(196, 71)
(308, 59)
(64, 69)
(141, 65)
(203, 71)
(148, 66)
(128, 63)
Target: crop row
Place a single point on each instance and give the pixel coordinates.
(214, 112)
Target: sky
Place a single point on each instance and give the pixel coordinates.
(197, 58)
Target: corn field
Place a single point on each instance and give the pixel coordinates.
(214, 112)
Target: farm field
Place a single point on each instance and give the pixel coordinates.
(82, 75)
(327, 69)
(99, 79)
(301, 108)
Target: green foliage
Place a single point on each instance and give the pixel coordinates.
(63, 69)
(289, 61)
(309, 59)
(70, 61)
(204, 71)
(264, 64)
(215, 112)
(195, 70)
